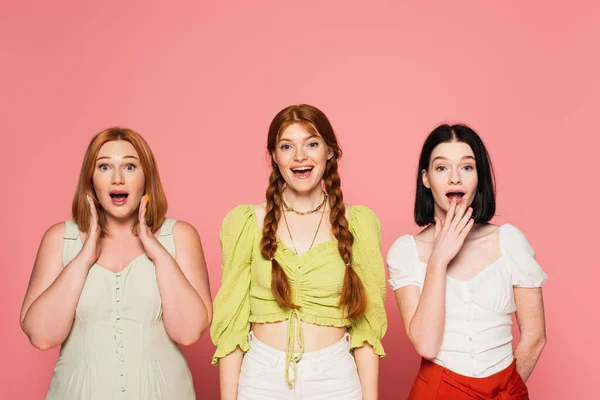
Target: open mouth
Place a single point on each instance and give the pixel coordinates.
(455, 195)
(118, 197)
(302, 172)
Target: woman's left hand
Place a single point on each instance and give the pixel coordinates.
(149, 241)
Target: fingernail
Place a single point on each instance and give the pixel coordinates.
(147, 198)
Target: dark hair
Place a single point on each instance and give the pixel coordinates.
(484, 202)
(353, 297)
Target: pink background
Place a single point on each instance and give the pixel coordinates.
(202, 80)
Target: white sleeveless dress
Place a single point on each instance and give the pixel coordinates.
(118, 347)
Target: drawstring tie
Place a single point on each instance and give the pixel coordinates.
(290, 357)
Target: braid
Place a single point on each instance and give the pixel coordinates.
(353, 292)
(280, 285)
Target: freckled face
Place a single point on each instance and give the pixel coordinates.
(301, 157)
(118, 179)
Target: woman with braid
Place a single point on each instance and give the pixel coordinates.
(300, 313)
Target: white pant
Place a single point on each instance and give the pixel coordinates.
(327, 374)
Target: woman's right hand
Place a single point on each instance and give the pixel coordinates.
(91, 246)
(450, 236)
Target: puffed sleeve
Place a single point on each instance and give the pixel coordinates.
(525, 270)
(368, 264)
(231, 317)
(403, 264)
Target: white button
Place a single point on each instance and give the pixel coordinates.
(121, 359)
(474, 375)
(118, 274)
(118, 317)
(121, 344)
(122, 373)
(470, 339)
(122, 389)
(118, 300)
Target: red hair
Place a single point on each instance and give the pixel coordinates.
(353, 296)
(157, 207)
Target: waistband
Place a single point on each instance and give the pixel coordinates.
(504, 385)
(330, 353)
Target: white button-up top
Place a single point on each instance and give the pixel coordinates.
(477, 338)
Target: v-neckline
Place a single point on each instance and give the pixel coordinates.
(287, 247)
(133, 261)
(109, 270)
(474, 277)
(470, 280)
(124, 269)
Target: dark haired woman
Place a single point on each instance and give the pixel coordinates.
(300, 313)
(458, 281)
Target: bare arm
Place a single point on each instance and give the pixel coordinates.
(367, 363)
(531, 321)
(182, 283)
(51, 299)
(424, 314)
(184, 287)
(229, 374)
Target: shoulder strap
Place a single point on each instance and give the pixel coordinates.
(71, 242)
(71, 230)
(166, 235)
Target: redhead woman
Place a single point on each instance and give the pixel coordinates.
(119, 285)
(300, 314)
(459, 280)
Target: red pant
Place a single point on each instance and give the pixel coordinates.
(435, 382)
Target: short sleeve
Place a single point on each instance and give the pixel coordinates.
(525, 270)
(231, 317)
(404, 265)
(368, 264)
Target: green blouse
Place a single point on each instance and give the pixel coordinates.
(316, 280)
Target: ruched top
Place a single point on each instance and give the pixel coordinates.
(316, 279)
(477, 337)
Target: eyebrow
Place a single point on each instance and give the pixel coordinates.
(446, 158)
(106, 158)
(308, 138)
